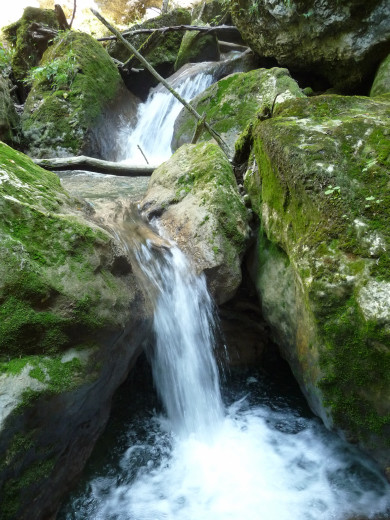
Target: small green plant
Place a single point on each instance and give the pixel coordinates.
(309, 13)
(254, 8)
(370, 164)
(332, 190)
(5, 57)
(370, 200)
(206, 218)
(59, 73)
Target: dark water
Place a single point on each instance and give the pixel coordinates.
(270, 460)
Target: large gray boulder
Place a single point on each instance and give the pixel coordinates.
(195, 196)
(71, 322)
(343, 42)
(323, 262)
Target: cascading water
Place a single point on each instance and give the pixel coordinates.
(184, 368)
(261, 458)
(255, 454)
(154, 129)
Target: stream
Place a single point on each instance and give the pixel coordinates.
(188, 440)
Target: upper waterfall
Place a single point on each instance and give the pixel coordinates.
(155, 119)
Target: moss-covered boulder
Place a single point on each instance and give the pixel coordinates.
(74, 84)
(323, 273)
(231, 103)
(159, 49)
(381, 83)
(21, 34)
(70, 321)
(342, 42)
(197, 47)
(196, 198)
(9, 119)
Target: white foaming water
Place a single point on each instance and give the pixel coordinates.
(184, 369)
(156, 118)
(260, 464)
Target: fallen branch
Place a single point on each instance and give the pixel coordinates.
(159, 78)
(228, 46)
(90, 164)
(214, 29)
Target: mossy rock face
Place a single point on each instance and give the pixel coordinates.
(196, 47)
(315, 37)
(231, 103)
(69, 315)
(76, 82)
(381, 83)
(195, 195)
(161, 49)
(322, 194)
(9, 119)
(28, 51)
(213, 12)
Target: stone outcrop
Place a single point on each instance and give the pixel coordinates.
(323, 272)
(197, 47)
(233, 102)
(71, 322)
(75, 83)
(381, 83)
(21, 34)
(341, 42)
(9, 119)
(159, 49)
(195, 196)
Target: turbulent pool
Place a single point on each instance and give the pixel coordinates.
(246, 448)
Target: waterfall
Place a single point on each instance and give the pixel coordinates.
(184, 369)
(246, 451)
(258, 457)
(155, 119)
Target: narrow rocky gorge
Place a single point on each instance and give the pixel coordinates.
(290, 229)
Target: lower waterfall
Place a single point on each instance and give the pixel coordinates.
(241, 453)
(184, 369)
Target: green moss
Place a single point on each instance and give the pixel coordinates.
(49, 287)
(35, 475)
(28, 51)
(41, 187)
(164, 53)
(233, 102)
(60, 112)
(304, 171)
(22, 329)
(322, 192)
(355, 367)
(381, 83)
(196, 47)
